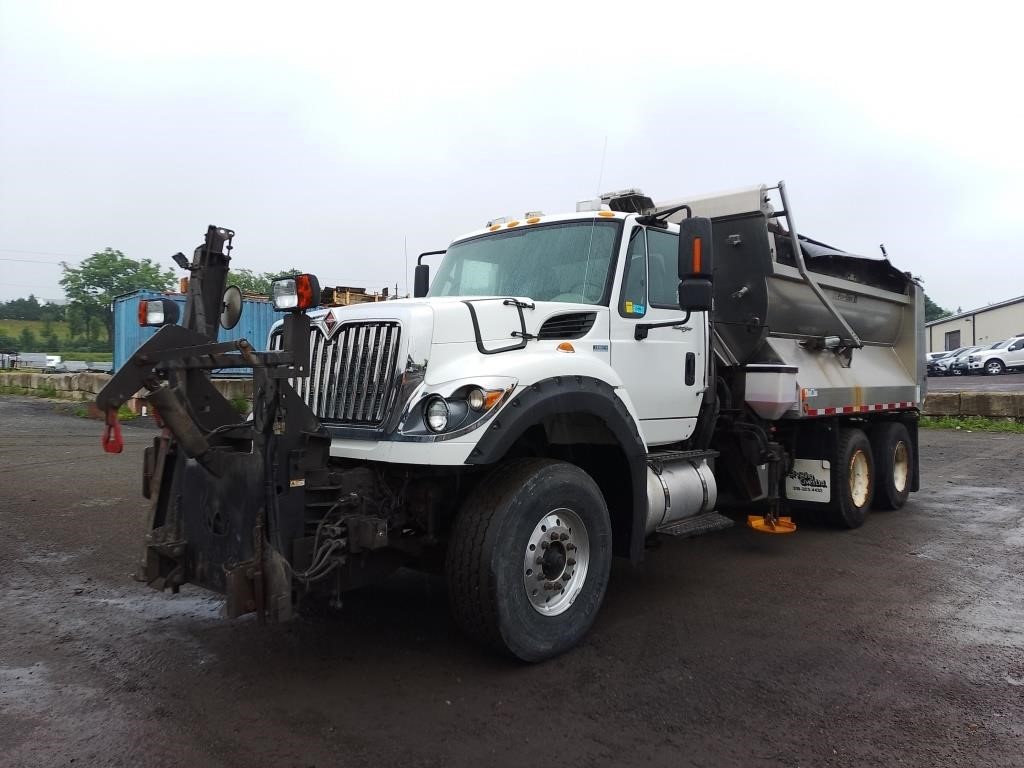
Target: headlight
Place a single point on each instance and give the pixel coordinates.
(436, 414)
(157, 312)
(476, 399)
(295, 293)
(453, 408)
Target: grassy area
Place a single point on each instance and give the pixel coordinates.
(971, 424)
(14, 328)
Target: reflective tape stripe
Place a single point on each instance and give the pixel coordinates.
(844, 409)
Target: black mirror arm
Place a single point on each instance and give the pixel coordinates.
(641, 330)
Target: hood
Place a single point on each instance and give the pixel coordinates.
(452, 321)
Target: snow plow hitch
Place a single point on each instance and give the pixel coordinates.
(228, 495)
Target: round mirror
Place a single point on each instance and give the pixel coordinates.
(231, 309)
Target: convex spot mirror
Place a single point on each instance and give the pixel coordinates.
(696, 265)
(231, 309)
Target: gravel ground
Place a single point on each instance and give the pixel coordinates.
(901, 643)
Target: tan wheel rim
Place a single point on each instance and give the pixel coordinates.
(860, 480)
(900, 466)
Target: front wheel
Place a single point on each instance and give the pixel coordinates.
(853, 480)
(529, 558)
(994, 367)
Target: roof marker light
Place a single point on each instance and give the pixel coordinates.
(533, 220)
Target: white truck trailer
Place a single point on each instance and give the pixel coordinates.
(565, 388)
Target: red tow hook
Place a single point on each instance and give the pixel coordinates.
(112, 442)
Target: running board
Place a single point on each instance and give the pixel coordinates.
(697, 525)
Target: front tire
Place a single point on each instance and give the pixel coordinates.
(994, 367)
(853, 480)
(529, 558)
(894, 463)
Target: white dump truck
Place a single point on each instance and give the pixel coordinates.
(565, 388)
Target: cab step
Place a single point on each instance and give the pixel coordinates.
(698, 525)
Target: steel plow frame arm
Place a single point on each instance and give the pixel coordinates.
(228, 497)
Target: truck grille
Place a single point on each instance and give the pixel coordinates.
(351, 374)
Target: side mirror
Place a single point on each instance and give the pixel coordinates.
(696, 265)
(421, 280)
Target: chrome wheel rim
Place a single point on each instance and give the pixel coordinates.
(994, 367)
(859, 478)
(555, 562)
(900, 466)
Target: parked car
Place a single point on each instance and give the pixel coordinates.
(958, 365)
(1000, 357)
(939, 365)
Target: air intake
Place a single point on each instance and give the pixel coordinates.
(571, 326)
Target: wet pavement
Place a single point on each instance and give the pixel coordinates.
(901, 643)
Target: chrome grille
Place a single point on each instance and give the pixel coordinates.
(352, 374)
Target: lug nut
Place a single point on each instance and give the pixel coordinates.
(566, 576)
(564, 537)
(570, 547)
(555, 535)
(570, 561)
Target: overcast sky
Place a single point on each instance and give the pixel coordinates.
(326, 134)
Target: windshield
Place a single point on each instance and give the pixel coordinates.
(567, 261)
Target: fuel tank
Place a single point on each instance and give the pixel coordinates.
(679, 489)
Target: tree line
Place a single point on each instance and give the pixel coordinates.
(90, 289)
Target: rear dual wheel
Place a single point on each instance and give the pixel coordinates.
(853, 480)
(894, 457)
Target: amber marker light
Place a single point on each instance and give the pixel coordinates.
(565, 346)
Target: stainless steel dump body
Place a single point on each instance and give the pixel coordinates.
(849, 328)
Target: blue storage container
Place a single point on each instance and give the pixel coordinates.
(257, 317)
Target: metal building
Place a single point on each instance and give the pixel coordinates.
(985, 325)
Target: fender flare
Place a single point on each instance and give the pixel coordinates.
(563, 394)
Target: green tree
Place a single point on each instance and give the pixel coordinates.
(27, 340)
(257, 282)
(106, 274)
(933, 311)
(21, 309)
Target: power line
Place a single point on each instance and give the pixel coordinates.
(31, 261)
(75, 256)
